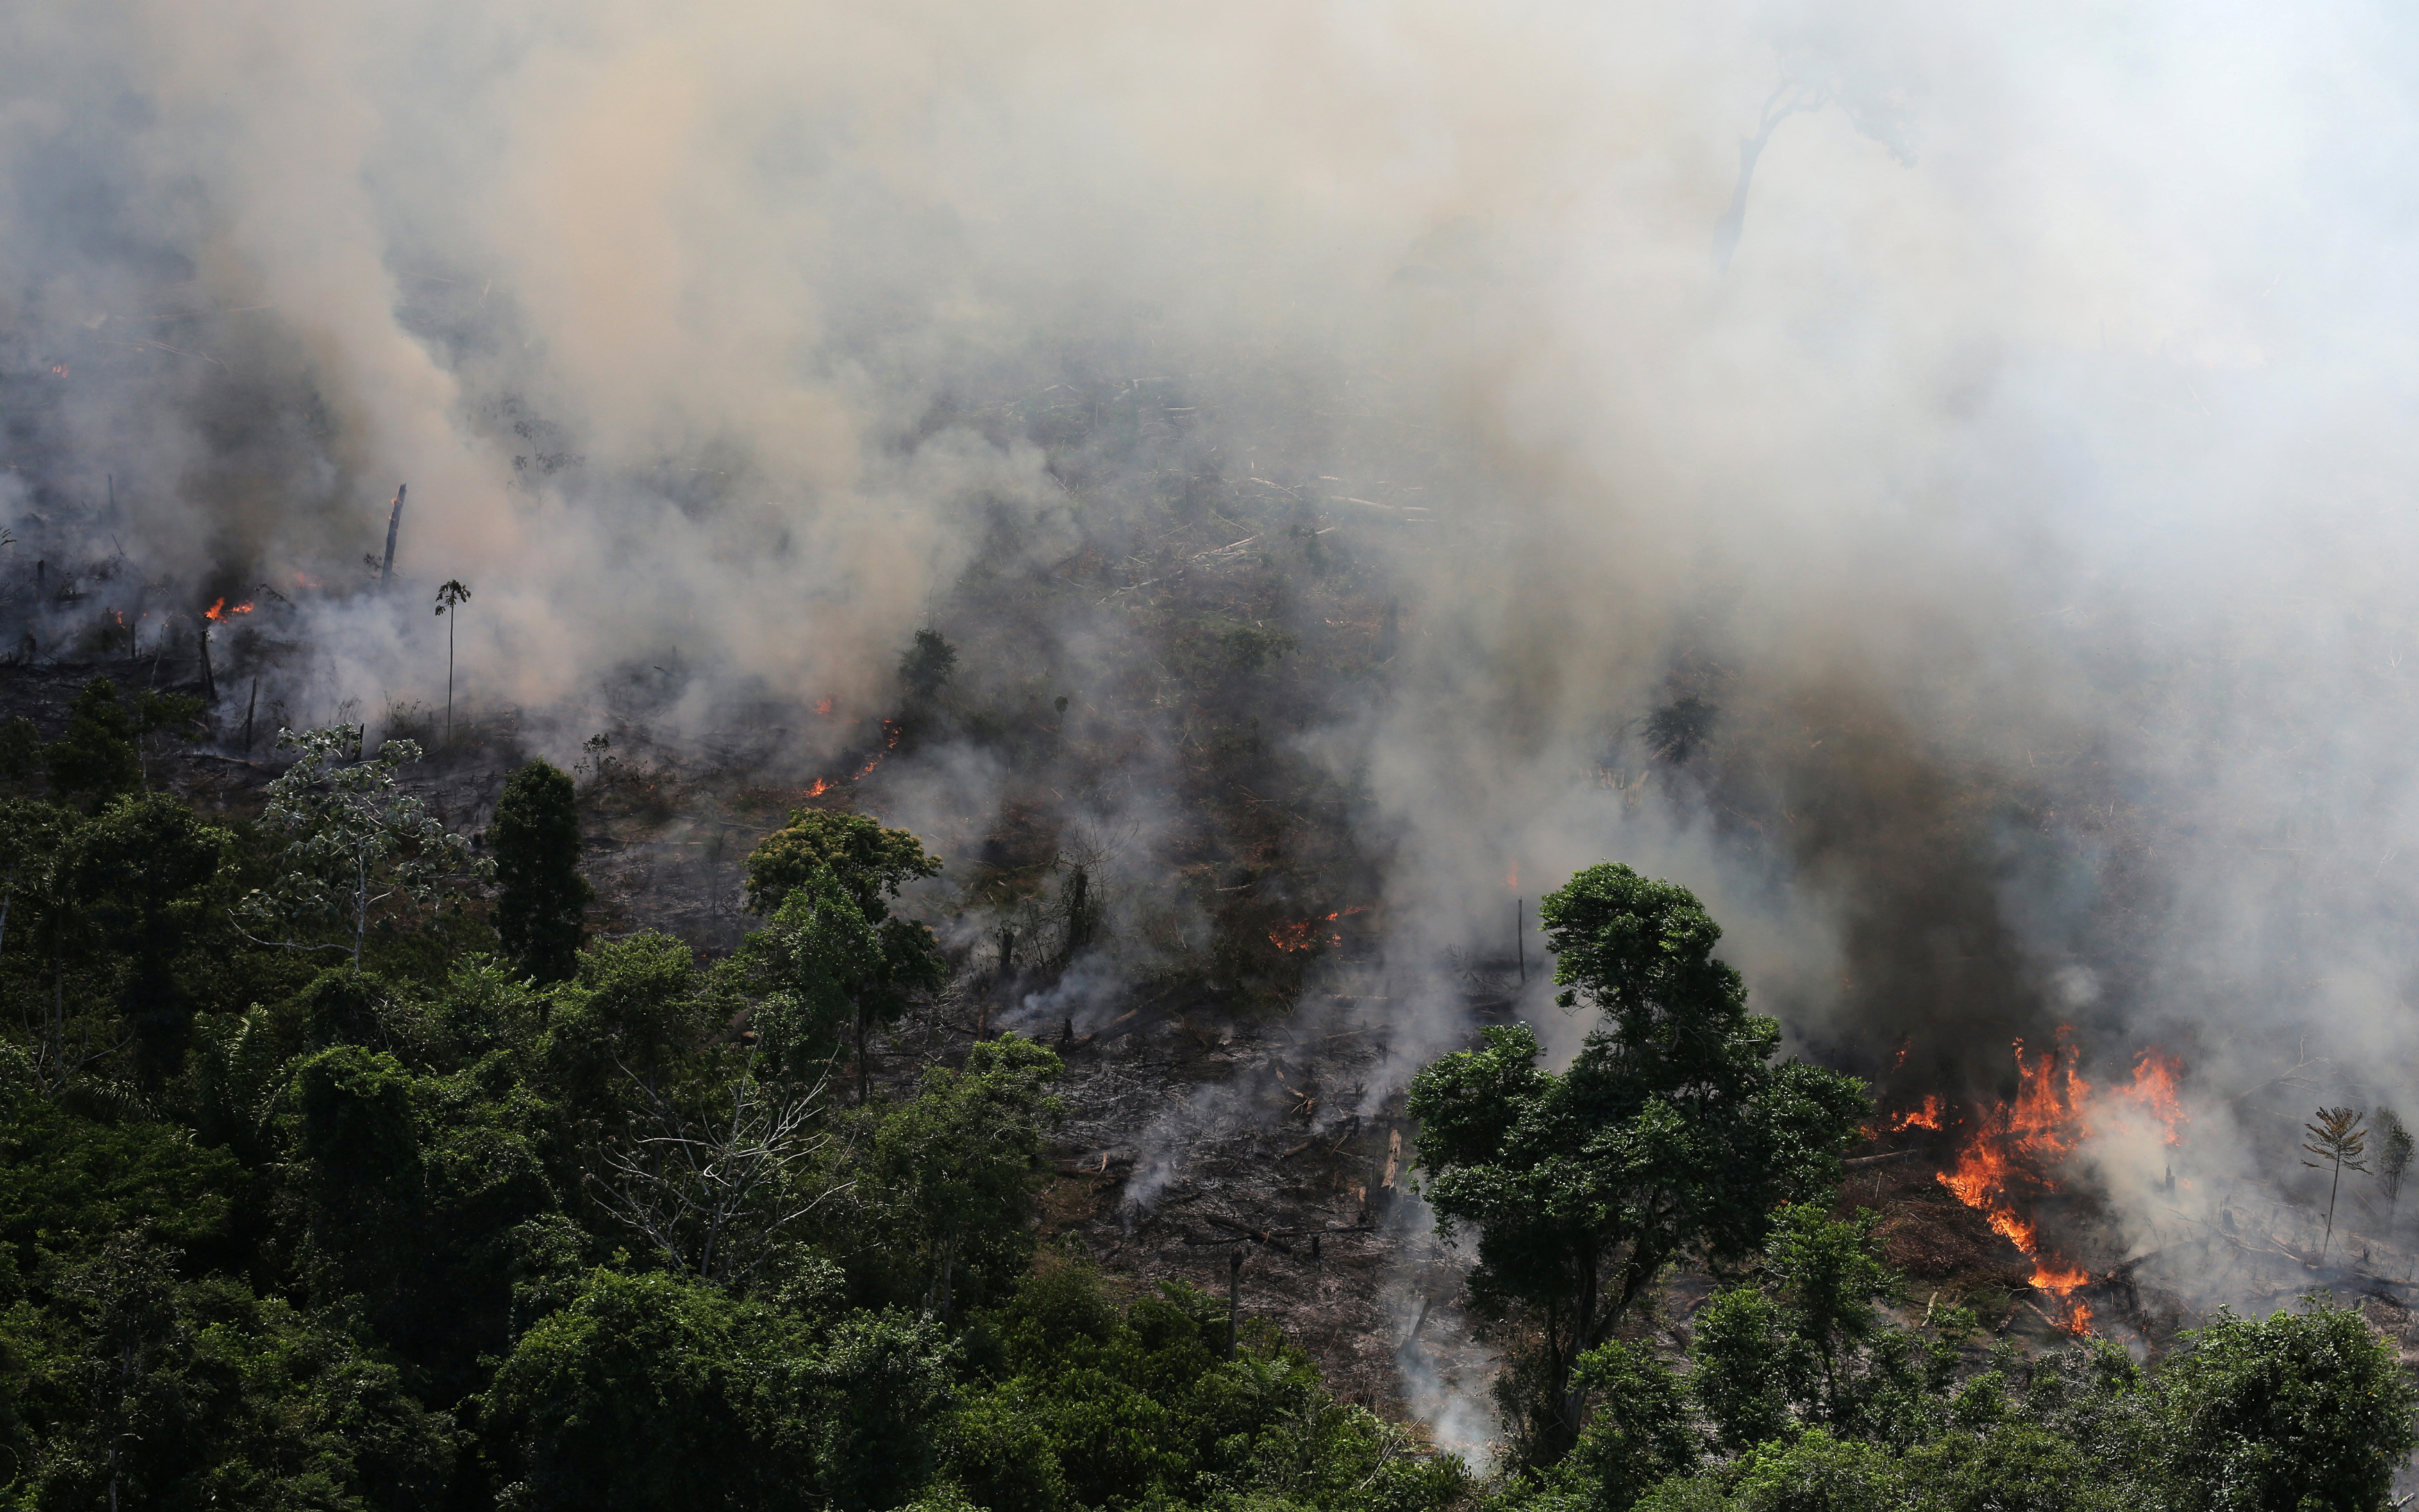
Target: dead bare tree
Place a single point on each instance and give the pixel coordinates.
(1083, 852)
(394, 523)
(1815, 76)
(2303, 1076)
(715, 1195)
(1790, 98)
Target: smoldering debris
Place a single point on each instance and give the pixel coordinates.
(1189, 1135)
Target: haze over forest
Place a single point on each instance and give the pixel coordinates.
(1266, 494)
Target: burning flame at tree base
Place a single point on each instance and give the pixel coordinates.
(1307, 934)
(1926, 1117)
(2007, 1163)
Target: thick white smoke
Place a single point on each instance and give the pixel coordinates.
(2023, 477)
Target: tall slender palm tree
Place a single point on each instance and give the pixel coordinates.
(2337, 1139)
(451, 594)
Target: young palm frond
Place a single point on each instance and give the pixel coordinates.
(2338, 1139)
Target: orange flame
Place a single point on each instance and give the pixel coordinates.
(824, 704)
(1926, 1117)
(1306, 934)
(1302, 936)
(890, 733)
(819, 786)
(212, 613)
(867, 770)
(1512, 876)
(2154, 1088)
(2006, 1161)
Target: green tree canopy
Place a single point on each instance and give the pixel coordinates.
(2285, 1413)
(652, 1392)
(354, 838)
(1802, 1342)
(804, 970)
(870, 862)
(632, 1013)
(2304, 1412)
(1639, 1433)
(928, 665)
(1087, 1398)
(1674, 1132)
(69, 1185)
(39, 907)
(143, 870)
(541, 899)
(364, 1181)
(95, 759)
(138, 1389)
(833, 961)
(21, 752)
(955, 1170)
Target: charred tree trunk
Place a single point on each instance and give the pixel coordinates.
(393, 521)
(1079, 914)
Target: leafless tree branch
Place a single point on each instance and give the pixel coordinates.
(715, 1195)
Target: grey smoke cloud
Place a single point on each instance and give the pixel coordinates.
(2026, 486)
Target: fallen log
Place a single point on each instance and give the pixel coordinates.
(1257, 1236)
(1877, 1160)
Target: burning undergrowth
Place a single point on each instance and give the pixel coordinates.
(2012, 1156)
(2083, 1198)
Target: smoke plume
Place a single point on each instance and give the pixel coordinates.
(1935, 482)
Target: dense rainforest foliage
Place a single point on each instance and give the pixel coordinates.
(343, 1171)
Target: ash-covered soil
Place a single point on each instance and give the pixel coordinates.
(1192, 1139)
